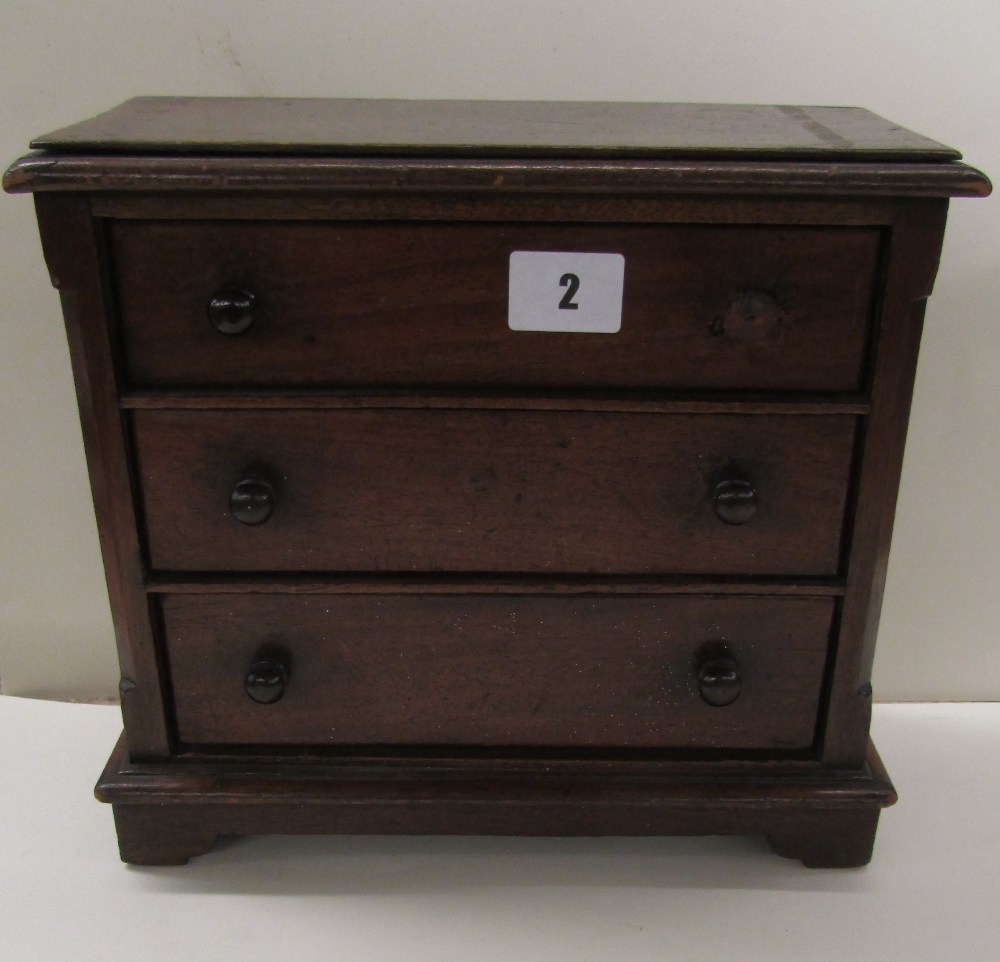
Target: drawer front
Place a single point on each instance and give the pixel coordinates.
(494, 491)
(341, 305)
(498, 670)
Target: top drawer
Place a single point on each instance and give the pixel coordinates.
(392, 304)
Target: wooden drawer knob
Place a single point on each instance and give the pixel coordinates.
(719, 681)
(232, 310)
(735, 501)
(252, 501)
(266, 681)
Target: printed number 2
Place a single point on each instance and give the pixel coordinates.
(572, 282)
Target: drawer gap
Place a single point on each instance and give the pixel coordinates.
(352, 583)
(528, 401)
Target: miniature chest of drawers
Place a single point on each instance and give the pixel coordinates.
(493, 468)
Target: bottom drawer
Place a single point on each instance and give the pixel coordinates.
(480, 669)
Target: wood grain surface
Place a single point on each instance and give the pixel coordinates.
(77, 261)
(491, 582)
(268, 125)
(497, 670)
(168, 813)
(481, 491)
(181, 173)
(912, 268)
(401, 304)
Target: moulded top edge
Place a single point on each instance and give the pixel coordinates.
(53, 171)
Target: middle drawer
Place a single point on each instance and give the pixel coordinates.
(493, 491)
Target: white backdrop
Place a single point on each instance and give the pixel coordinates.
(928, 64)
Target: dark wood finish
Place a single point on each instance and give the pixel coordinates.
(185, 803)
(498, 669)
(232, 310)
(494, 491)
(160, 834)
(252, 501)
(590, 584)
(332, 299)
(48, 171)
(77, 265)
(267, 680)
(606, 401)
(827, 839)
(720, 681)
(497, 204)
(382, 584)
(913, 263)
(457, 128)
(734, 500)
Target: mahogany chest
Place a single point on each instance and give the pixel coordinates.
(493, 468)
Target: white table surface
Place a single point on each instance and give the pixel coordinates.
(931, 892)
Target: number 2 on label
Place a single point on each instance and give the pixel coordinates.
(572, 283)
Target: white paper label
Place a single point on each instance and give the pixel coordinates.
(557, 291)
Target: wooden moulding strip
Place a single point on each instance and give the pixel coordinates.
(319, 780)
(48, 171)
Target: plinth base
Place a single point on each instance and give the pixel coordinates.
(168, 812)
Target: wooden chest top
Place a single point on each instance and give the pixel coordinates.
(258, 143)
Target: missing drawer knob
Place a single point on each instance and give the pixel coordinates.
(232, 311)
(266, 681)
(751, 316)
(719, 682)
(735, 501)
(252, 501)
